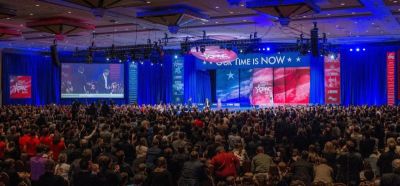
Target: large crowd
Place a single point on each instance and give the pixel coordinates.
(168, 145)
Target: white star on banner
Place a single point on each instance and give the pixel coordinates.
(230, 75)
(289, 59)
(298, 59)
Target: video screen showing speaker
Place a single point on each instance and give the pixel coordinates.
(92, 80)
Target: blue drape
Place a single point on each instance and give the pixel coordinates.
(197, 83)
(45, 77)
(155, 82)
(317, 89)
(363, 76)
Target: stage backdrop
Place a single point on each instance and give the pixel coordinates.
(264, 86)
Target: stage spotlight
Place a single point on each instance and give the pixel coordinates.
(176, 56)
(151, 64)
(259, 49)
(268, 49)
(363, 49)
(351, 50)
(161, 64)
(332, 56)
(120, 61)
(263, 49)
(108, 59)
(241, 51)
(357, 49)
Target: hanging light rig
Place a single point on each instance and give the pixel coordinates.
(314, 45)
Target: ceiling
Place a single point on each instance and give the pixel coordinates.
(344, 21)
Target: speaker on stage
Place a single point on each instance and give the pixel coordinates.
(54, 55)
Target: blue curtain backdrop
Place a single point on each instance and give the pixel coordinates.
(363, 75)
(317, 79)
(45, 77)
(197, 83)
(155, 82)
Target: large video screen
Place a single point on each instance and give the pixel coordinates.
(92, 80)
(264, 86)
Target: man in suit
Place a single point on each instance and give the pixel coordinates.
(104, 84)
(302, 169)
(394, 177)
(80, 81)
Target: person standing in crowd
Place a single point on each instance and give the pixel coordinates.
(385, 160)
(225, 164)
(302, 169)
(49, 178)
(260, 165)
(193, 171)
(392, 178)
(350, 164)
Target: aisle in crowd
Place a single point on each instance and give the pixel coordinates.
(165, 145)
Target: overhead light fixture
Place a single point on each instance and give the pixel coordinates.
(342, 4)
(217, 7)
(148, 2)
(37, 5)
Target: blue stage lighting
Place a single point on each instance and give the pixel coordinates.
(363, 49)
(357, 49)
(241, 51)
(120, 61)
(332, 56)
(263, 49)
(259, 49)
(268, 49)
(108, 59)
(176, 56)
(351, 50)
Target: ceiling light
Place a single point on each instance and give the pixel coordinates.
(8, 18)
(216, 22)
(394, 1)
(148, 2)
(242, 5)
(69, 12)
(37, 5)
(231, 12)
(31, 14)
(342, 4)
(217, 7)
(304, 16)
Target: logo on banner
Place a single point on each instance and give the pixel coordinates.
(214, 54)
(20, 87)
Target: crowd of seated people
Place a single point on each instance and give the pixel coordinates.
(168, 145)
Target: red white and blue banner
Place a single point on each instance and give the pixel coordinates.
(20, 87)
(332, 79)
(227, 59)
(390, 65)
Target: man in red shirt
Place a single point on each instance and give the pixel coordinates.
(57, 146)
(2, 147)
(31, 144)
(225, 164)
(23, 140)
(46, 138)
